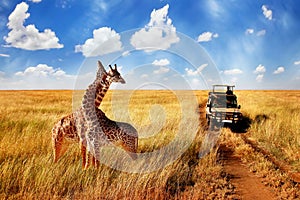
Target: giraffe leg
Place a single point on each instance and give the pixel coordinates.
(95, 162)
(83, 154)
(88, 160)
(91, 158)
(57, 142)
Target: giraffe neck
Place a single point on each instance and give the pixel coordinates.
(101, 90)
(93, 97)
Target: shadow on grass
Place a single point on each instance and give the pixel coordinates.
(242, 126)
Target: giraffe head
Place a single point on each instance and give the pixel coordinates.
(114, 76)
(111, 76)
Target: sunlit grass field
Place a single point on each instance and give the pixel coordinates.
(26, 158)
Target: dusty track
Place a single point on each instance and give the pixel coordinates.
(247, 185)
(294, 176)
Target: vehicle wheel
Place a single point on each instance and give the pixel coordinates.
(208, 120)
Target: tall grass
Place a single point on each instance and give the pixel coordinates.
(275, 124)
(28, 171)
(26, 159)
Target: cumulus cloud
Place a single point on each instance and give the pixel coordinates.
(207, 36)
(261, 33)
(159, 33)
(259, 77)
(36, 1)
(249, 31)
(267, 13)
(105, 40)
(233, 72)
(161, 70)
(161, 62)
(297, 62)
(191, 72)
(43, 76)
(279, 70)
(28, 37)
(43, 70)
(4, 55)
(260, 69)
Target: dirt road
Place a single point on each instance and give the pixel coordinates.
(247, 185)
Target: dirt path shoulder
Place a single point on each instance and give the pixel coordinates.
(247, 185)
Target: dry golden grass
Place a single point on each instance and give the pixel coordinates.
(28, 171)
(275, 123)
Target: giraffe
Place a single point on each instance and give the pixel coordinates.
(101, 130)
(119, 134)
(72, 127)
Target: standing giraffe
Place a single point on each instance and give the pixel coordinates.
(100, 129)
(73, 127)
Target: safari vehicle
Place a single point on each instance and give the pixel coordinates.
(222, 107)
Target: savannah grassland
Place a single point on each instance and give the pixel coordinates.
(28, 172)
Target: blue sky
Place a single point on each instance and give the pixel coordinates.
(156, 44)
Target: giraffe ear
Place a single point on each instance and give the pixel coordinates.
(101, 67)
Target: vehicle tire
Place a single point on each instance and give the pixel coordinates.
(208, 120)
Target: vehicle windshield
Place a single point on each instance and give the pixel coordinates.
(231, 104)
(219, 102)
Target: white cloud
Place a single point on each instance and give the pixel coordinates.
(233, 72)
(259, 77)
(279, 70)
(126, 53)
(159, 33)
(260, 69)
(43, 76)
(267, 13)
(207, 36)
(105, 40)
(36, 1)
(249, 31)
(43, 70)
(297, 62)
(261, 32)
(161, 70)
(4, 55)
(191, 72)
(28, 37)
(161, 62)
